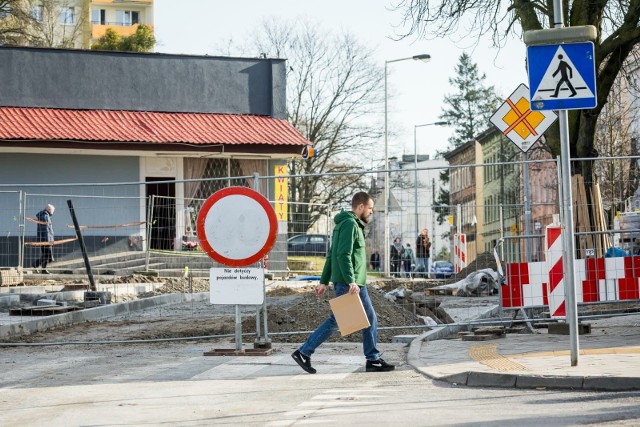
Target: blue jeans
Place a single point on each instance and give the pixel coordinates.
(424, 264)
(329, 326)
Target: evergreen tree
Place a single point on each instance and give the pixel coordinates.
(468, 109)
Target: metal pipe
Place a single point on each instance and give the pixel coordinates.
(83, 248)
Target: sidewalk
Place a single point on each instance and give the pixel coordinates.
(609, 358)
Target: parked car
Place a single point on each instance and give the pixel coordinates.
(308, 245)
(441, 270)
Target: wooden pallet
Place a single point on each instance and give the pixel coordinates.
(47, 310)
(10, 277)
(440, 291)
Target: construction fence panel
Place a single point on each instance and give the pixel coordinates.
(150, 228)
(11, 227)
(607, 242)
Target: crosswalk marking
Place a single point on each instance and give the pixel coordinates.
(333, 401)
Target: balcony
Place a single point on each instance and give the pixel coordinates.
(98, 30)
(123, 2)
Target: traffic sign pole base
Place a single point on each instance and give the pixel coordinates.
(262, 344)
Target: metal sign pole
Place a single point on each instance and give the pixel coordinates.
(263, 341)
(527, 205)
(569, 243)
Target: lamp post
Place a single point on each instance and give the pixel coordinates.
(387, 197)
(415, 169)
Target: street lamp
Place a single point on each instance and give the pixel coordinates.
(415, 169)
(425, 57)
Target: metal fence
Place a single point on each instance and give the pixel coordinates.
(141, 227)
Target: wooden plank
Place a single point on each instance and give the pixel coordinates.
(603, 226)
(441, 291)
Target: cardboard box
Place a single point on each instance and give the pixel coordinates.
(349, 313)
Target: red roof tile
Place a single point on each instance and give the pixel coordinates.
(137, 126)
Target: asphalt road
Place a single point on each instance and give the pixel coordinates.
(174, 384)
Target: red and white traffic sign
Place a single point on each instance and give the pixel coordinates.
(237, 226)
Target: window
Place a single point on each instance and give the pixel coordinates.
(98, 16)
(67, 16)
(36, 12)
(127, 18)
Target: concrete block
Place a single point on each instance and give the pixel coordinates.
(488, 379)
(44, 302)
(9, 300)
(563, 328)
(530, 381)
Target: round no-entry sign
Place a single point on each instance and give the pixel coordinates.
(237, 226)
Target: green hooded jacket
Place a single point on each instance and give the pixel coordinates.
(347, 260)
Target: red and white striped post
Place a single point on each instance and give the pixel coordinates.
(555, 251)
(459, 252)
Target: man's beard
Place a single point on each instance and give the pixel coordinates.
(365, 219)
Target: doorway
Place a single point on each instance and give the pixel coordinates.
(163, 217)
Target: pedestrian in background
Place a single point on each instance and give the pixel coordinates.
(396, 257)
(408, 261)
(346, 268)
(375, 261)
(423, 252)
(44, 234)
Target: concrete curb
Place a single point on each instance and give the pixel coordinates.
(490, 379)
(495, 379)
(96, 313)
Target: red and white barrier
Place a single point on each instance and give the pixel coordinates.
(597, 279)
(459, 252)
(555, 251)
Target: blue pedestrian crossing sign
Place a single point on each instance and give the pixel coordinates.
(562, 76)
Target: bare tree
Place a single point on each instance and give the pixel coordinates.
(58, 23)
(43, 23)
(15, 22)
(615, 137)
(333, 89)
(618, 34)
(616, 46)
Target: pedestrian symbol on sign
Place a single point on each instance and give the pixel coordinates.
(562, 76)
(563, 67)
(562, 80)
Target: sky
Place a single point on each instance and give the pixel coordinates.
(416, 89)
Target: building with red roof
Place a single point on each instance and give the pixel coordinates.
(135, 126)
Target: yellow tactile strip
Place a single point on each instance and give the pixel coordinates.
(487, 354)
(585, 351)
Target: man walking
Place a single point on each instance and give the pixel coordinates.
(346, 267)
(44, 234)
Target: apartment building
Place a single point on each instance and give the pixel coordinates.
(122, 16)
(80, 23)
(463, 192)
(498, 189)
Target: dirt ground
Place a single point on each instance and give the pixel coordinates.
(289, 310)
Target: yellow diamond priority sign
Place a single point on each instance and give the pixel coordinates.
(517, 122)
